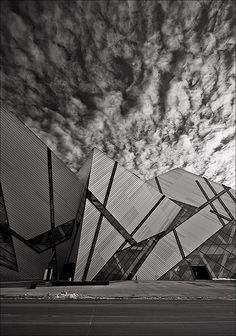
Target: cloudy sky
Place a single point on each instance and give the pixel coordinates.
(150, 83)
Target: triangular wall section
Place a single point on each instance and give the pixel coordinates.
(7, 255)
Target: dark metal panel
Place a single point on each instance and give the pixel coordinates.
(67, 191)
(24, 177)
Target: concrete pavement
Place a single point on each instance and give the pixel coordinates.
(155, 290)
(122, 318)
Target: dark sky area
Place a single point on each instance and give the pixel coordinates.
(150, 83)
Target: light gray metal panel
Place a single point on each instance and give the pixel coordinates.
(31, 264)
(90, 221)
(109, 240)
(162, 258)
(131, 199)
(181, 185)
(100, 174)
(66, 191)
(24, 177)
(159, 220)
(197, 229)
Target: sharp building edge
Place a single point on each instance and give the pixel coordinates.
(105, 223)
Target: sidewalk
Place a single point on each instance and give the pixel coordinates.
(154, 290)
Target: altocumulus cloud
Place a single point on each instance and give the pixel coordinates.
(150, 83)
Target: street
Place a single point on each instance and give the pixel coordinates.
(114, 317)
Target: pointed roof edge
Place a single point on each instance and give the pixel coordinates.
(188, 172)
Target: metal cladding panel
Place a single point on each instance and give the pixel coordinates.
(66, 191)
(225, 204)
(89, 225)
(131, 199)
(164, 256)
(31, 265)
(62, 253)
(24, 177)
(197, 229)
(181, 185)
(159, 220)
(109, 240)
(100, 174)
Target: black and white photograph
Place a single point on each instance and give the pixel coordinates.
(117, 168)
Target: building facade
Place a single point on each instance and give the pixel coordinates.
(105, 223)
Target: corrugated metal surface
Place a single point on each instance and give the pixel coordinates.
(66, 191)
(159, 220)
(91, 216)
(31, 264)
(24, 177)
(100, 174)
(163, 257)
(131, 199)
(197, 229)
(181, 185)
(109, 240)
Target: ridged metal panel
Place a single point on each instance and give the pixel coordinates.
(100, 174)
(24, 177)
(66, 191)
(162, 258)
(159, 220)
(181, 185)
(197, 229)
(227, 200)
(90, 221)
(130, 199)
(31, 264)
(109, 240)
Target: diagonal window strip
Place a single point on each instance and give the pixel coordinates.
(198, 248)
(110, 218)
(125, 263)
(136, 229)
(228, 192)
(212, 205)
(53, 237)
(158, 185)
(219, 199)
(99, 224)
(146, 217)
(213, 198)
(220, 215)
(25, 241)
(179, 244)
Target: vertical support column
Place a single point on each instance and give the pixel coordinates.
(53, 262)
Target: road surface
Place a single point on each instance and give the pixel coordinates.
(113, 318)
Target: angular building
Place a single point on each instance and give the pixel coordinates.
(105, 223)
